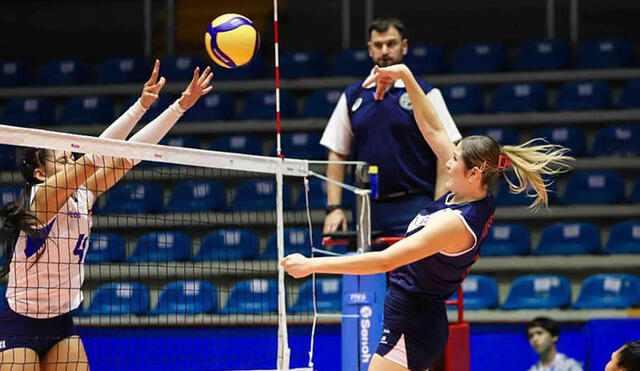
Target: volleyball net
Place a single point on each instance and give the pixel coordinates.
(181, 263)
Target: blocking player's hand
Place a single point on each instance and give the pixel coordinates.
(384, 77)
(198, 87)
(152, 87)
(335, 220)
(297, 265)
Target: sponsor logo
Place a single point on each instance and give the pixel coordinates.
(405, 102)
(3, 344)
(365, 325)
(356, 105)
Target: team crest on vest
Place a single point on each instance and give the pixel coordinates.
(356, 105)
(405, 101)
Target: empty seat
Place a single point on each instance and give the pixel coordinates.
(624, 238)
(519, 97)
(9, 194)
(187, 297)
(28, 112)
(504, 197)
(13, 73)
(87, 110)
(635, 192)
(187, 142)
(228, 244)
(262, 106)
(119, 298)
(480, 58)
(605, 53)
(587, 95)
(302, 145)
(321, 103)
(255, 296)
(63, 72)
(623, 141)
(295, 65)
(479, 292)
(180, 68)
(630, 97)
(247, 144)
(132, 198)
(105, 248)
(328, 296)
(507, 239)
(504, 136)
(538, 291)
(542, 55)
(317, 196)
(594, 187)
(213, 106)
(296, 240)
(258, 195)
(425, 59)
(166, 246)
(156, 108)
(124, 70)
(7, 157)
(192, 196)
(463, 99)
(353, 62)
(570, 238)
(609, 290)
(572, 137)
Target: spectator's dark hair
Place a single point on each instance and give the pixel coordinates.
(383, 24)
(546, 323)
(629, 356)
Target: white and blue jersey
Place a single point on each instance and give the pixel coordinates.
(560, 363)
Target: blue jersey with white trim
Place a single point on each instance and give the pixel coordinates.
(386, 134)
(436, 277)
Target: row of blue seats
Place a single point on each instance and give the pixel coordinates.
(549, 291)
(424, 59)
(461, 99)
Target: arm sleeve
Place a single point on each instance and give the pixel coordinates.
(121, 128)
(437, 101)
(337, 134)
(154, 131)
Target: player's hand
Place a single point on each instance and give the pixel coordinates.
(198, 87)
(297, 265)
(152, 87)
(335, 220)
(384, 77)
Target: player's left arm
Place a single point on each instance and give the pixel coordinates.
(445, 233)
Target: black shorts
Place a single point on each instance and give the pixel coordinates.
(18, 331)
(415, 330)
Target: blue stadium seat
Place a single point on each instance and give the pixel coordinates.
(506, 240)
(180, 68)
(594, 187)
(463, 99)
(9, 194)
(7, 157)
(187, 297)
(13, 73)
(321, 103)
(317, 196)
(504, 136)
(302, 145)
(166, 246)
(63, 72)
(212, 107)
(619, 141)
(117, 298)
(262, 106)
(156, 108)
(133, 198)
(3, 291)
(572, 137)
(635, 192)
(519, 97)
(105, 248)
(296, 240)
(228, 244)
(353, 62)
(569, 238)
(192, 196)
(247, 144)
(295, 65)
(258, 195)
(124, 70)
(480, 58)
(630, 97)
(609, 290)
(425, 59)
(28, 112)
(186, 142)
(624, 238)
(605, 53)
(542, 55)
(87, 110)
(479, 292)
(255, 296)
(504, 197)
(328, 296)
(538, 291)
(587, 95)
(256, 69)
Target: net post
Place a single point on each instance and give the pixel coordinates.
(363, 210)
(283, 340)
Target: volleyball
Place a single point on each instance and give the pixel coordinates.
(232, 40)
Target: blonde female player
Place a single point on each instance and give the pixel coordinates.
(444, 239)
(46, 269)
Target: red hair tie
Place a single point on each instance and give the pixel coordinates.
(503, 162)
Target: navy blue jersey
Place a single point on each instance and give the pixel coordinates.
(436, 277)
(386, 134)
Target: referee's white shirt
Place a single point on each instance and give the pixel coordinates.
(560, 363)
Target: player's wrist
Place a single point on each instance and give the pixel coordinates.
(333, 207)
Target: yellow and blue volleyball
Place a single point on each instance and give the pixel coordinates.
(232, 40)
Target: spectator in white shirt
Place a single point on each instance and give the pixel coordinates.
(543, 334)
